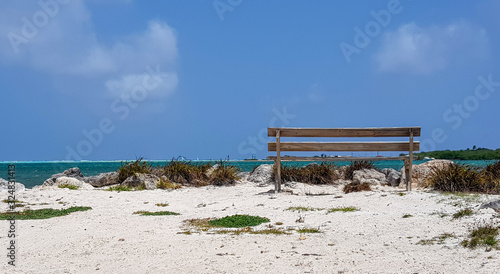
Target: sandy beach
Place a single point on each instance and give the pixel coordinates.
(375, 239)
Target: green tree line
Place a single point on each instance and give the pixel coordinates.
(467, 154)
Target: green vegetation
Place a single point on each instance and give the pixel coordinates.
(464, 178)
(407, 216)
(356, 187)
(342, 209)
(162, 204)
(238, 221)
(468, 154)
(224, 174)
(463, 213)
(176, 174)
(12, 201)
(357, 165)
(316, 174)
(68, 186)
(168, 185)
(128, 169)
(482, 235)
(437, 240)
(123, 188)
(185, 173)
(308, 230)
(41, 213)
(157, 213)
(302, 208)
(249, 230)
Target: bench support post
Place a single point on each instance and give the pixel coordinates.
(277, 187)
(409, 170)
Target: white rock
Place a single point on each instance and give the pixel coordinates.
(262, 175)
(72, 181)
(149, 181)
(370, 176)
(4, 186)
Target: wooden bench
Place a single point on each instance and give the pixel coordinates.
(409, 146)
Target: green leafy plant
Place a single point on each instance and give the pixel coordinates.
(41, 213)
(238, 221)
(407, 216)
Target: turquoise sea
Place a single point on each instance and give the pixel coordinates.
(35, 173)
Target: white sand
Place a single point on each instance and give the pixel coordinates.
(375, 239)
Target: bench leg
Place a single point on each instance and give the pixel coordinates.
(277, 186)
(408, 174)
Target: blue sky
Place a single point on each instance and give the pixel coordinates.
(204, 79)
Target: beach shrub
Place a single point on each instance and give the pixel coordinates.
(463, 178)
(463, 213)
(128, 169)
(224, 174)
(356, 187)
(493, 170)
(316, 174)
(357, 165)
(186, 173)
(482, 235)
(167, 184)
(46, 213)
(238, 221)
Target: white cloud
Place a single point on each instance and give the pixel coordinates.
(67, 45)
(413, 49)
(151, 86)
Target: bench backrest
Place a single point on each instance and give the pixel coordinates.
(344, 132)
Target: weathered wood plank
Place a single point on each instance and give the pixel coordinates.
(337, 159)
(345, 146)
(345, 132)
